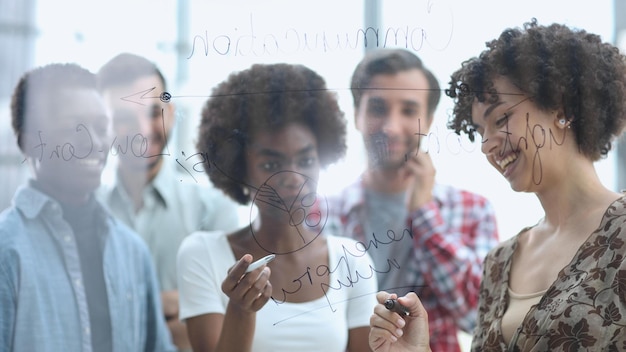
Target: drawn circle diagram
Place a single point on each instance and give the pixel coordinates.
(307, 209)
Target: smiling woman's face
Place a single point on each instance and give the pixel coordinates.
(520, 140)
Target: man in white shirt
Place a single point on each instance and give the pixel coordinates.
(148, 194)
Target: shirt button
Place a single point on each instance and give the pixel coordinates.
(77, 282)
(87, 331)
(67, 238)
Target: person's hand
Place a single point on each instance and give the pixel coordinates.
(247, 291)
(420, 172)
(390, 332)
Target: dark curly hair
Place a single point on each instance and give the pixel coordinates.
(387, 61)
(559, 68)
(266, 97)
(36, 93)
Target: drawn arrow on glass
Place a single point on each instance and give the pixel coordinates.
(166, 97)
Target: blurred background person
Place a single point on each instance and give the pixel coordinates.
(148, 193)
(72, 277)
(423, 236)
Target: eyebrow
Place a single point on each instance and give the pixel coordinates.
(412, 103)
(490, 108)
(272, 153)
(380, 100)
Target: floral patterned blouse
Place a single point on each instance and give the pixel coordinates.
(583, 310)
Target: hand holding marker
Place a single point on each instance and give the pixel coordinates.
(260, 262)
(394, 306)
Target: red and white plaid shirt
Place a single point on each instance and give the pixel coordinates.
(451, 236)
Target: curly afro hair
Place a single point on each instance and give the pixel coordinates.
(560, 68)
(266, 96)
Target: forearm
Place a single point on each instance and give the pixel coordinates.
(237, 330)
(178, 329)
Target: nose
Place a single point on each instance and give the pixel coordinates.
(392, 124)
(489, 143)
(291, 179)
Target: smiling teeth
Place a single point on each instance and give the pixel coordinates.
(89, 162)
(507, 161)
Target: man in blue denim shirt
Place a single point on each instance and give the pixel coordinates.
(72, 278)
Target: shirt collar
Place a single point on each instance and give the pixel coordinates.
(160, 186)
(32, 202)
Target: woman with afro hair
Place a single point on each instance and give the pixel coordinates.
(546, 102)
(266, 132)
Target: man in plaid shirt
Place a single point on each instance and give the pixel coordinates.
(423, 237)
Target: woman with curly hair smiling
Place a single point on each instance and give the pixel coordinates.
(266, 132)
(547, 102)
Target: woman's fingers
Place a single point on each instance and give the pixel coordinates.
(389, 331)
(387, 320)
(264, 295)
(248, 290)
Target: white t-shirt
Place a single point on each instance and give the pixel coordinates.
(319, 325)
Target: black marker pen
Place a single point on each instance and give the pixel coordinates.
(395, 306)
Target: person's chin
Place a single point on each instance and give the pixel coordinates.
(140, 164)
(389, 164)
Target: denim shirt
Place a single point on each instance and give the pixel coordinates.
(43, 306)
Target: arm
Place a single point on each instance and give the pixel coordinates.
(177, 328)
(358, 339)
(209, 327)
(392, 333)
(450, 251)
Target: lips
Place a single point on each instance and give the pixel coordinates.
(93, 165)
(89, 162)
(506, 162)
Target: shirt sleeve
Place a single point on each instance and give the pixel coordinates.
(199, 288)
(158, 336)
(450, 253)
(364, 285)
(478, 336)
(8, 307)
(363, 297)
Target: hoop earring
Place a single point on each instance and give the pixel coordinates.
(562, 121)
